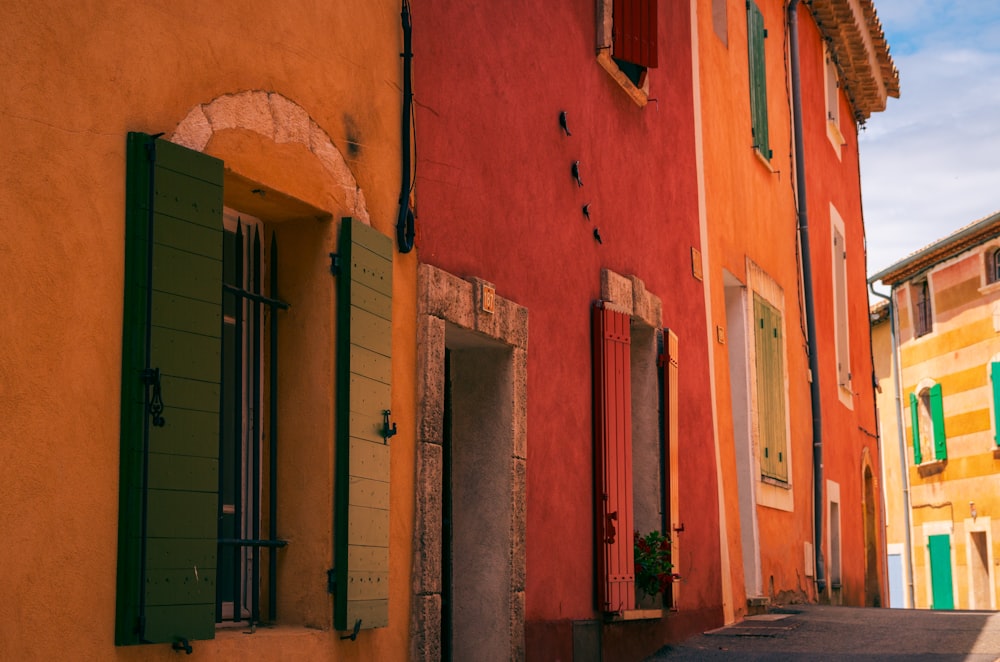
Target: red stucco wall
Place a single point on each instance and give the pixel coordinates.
(495, 199)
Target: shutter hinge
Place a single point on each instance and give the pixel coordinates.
(387, 431)
(151, 147)
(331, 581)
(354, 632)
(334, 264)
(182, 645)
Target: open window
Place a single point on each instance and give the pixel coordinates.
(992, 260)
(927, 423)
(204, 400)
(923, 321)
(627, 43)
(756, 36)
(635, 364)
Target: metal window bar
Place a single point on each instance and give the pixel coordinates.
(249, 347)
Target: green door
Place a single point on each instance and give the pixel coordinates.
(939, 548)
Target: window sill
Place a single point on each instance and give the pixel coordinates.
(763, 159)
(990, 288)
(639, 95)
(776, 482)
(835, 136)
(639, 615)
(931, 467)
(846, 394)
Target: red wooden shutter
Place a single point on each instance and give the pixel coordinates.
(613, 459)
(634, 32)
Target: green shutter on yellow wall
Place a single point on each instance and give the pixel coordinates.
(364, 368)
(918, 457)
(171, 355)
(937, 416)
(770, 377)
(995, 379)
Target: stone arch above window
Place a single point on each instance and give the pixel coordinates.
(278, 119)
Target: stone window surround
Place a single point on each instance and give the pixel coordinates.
(445, 299)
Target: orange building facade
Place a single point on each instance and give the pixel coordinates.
(228, 384)
(777, 191)
(176, 368)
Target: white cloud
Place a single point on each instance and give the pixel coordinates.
(931, 162)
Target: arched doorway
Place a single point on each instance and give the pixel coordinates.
(873, 593)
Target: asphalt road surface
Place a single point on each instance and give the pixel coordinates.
(820, 633)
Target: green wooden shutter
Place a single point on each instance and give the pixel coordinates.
(169, 471)
(918, 457)
(995, 379)
(770, 374)
(364, 368)
(756, 34)
(937, 416)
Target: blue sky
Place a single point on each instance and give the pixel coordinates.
(930, 163)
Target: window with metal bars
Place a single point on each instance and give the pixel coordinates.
(993, 265)
(249, 407)
(922, 320)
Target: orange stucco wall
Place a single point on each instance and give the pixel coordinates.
(751, 212)
(76, 82)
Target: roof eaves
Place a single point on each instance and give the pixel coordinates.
(855, 34)
(972, 234)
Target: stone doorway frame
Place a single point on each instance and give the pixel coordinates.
(445, 299)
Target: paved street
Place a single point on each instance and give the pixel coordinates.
(818, 633)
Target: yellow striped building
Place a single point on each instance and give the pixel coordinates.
(936, 345)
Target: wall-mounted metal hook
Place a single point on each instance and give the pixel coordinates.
(354, 633)
(334, 264)
(386, 430)
(586, 210)
(182, 645)
(576, 173)
(564, 123)
(597, 236)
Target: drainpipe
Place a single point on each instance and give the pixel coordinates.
(803, 225)
(903, 473)
(405, 231)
